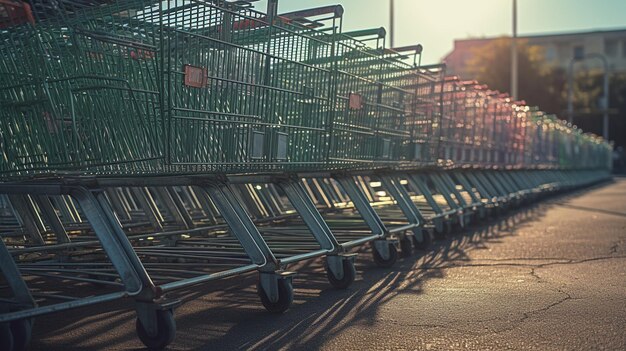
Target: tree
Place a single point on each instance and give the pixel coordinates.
(587, 95)
(546, 86)
(538, 84)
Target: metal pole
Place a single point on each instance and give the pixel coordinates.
(605, 102)
(391, 20)
(605, 105)
(570, 92)
(514, 54)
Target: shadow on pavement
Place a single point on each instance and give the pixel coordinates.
(227, 314)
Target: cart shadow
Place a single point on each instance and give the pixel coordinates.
(227, 314)
(321, 312)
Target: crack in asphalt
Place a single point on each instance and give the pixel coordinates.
(422, 325)
(528, 314)
(534, 274)
(615, 246)
(556, 303)
(521, 259)
(454, 324)
(513, 264)
(513, 323)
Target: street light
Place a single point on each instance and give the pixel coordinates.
(605, 99)
(391, 32)
(514, 54)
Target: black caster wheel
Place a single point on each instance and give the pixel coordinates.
(6, 337)
(440, 235)
(386, 263)
(484, 217)
(166, 331)
(21, 330)
(451, 228)
(475, 217)
(406, 246)
(349, 273)
(285, 297)
(425, 243)
(499, 211)
(457, 228)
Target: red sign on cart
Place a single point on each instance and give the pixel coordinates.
(197, 77)
(355, 101)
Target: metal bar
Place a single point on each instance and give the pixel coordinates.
(402, 198)
(45, 205)
(241, 226)
(310, 215)
(360, 202)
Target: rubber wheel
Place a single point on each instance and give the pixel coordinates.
(440, 229)
(406, 246)
(440, 235)
(450, 228)
(393, 257)
(425, 243)
(166, 331)
(349, 273)
(469, 220)
(475, 219)
(285, 297)
(21, 330)
(457, 228)
(498, 211)
(6, 337)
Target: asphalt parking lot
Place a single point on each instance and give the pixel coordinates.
(549, 277)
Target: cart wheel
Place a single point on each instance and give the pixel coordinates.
(381, 262)
(474, 219)
(425, 243)
(21, 330)
(285, 296)
(457, 228)
(406, 246)
(439, 235)
(450, 228)
(498, 211)
(349, 273)
(6, 337)
(439, 227)
(166, 330)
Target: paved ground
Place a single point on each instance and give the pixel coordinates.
(552, 278)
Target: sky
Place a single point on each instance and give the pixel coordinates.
(436, 23)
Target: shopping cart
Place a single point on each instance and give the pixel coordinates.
(147, 147)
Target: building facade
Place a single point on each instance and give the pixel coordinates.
(559, 49)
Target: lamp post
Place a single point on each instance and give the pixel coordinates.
(605, 99)
(391, 20)
(514, 54)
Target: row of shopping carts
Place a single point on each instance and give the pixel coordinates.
(147, 147)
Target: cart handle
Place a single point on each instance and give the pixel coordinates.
(335, 10)
(379, 33)
(417, 48)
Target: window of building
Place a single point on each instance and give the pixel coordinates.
(579, 51)
(610, 47)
